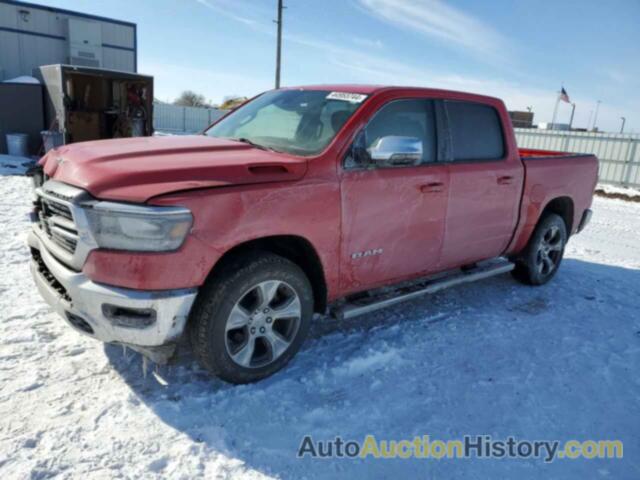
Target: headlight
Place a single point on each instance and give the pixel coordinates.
(138, 228)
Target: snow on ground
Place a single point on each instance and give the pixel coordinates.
(23, 79)
(496, 358)
(615, 191)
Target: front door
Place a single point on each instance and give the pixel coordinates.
(393, 206)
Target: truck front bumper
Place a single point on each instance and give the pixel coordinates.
(148, 321)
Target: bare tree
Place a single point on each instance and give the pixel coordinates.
(189, 98)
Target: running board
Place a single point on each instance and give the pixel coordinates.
(428, 285)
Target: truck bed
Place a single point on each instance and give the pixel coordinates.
(554, 175)
(532, 154)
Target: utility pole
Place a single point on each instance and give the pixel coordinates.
(595, 117)
(279, 47)
(573, 110)
(624, 120)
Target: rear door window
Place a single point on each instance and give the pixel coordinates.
(475, 131)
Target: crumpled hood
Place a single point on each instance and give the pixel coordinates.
(137, 169)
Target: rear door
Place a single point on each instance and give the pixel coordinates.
(393, 213)
(485, 184)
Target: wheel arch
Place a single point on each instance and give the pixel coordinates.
(562, 206)
(295, 248)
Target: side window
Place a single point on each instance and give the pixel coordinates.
(475, 130)
(401, 133)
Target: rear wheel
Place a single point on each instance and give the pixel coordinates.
(541, 259)
(252, 319)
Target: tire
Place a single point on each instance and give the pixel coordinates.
(252, 318)
(541, 258)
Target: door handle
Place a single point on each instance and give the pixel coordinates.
(506, 180)
(432, 187)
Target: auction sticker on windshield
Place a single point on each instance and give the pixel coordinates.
(347, 97)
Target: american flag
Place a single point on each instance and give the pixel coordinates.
(564, 96)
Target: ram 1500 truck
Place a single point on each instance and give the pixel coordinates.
(301, 201)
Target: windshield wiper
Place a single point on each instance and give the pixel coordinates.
(253, 144)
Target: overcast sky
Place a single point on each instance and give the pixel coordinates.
(521, 51)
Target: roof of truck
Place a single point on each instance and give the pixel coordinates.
(349, 88)
(371, 89)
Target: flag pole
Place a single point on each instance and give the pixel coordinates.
(555, 112)
(595, 118)
(573, 110)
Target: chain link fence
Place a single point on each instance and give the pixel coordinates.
(182, 120)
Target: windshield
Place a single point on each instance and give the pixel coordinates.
(302, 122)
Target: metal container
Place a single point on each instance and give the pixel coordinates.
(94, 104)
(21, 110)
(18, 144)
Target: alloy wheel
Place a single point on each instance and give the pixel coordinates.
(263, 324)
(549, 251)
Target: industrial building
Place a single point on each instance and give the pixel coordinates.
(521, 119)
(34, 35)
(554, 126)
(68, 77)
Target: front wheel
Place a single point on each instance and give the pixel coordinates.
(541, 258)
(252, 319)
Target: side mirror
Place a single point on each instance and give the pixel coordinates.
(396, 150)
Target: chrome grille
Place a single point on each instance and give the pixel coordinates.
(56, 221)
(60, 222)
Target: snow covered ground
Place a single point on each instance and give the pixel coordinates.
(556, 362)
(615, 191)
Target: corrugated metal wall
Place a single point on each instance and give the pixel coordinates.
(619, 154)
(33, 35)
(176, 119)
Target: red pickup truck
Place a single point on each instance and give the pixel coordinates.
(301, 201)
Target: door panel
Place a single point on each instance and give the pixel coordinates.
(482, 211)
(485, 185)
(393, 205)
(392, 224)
